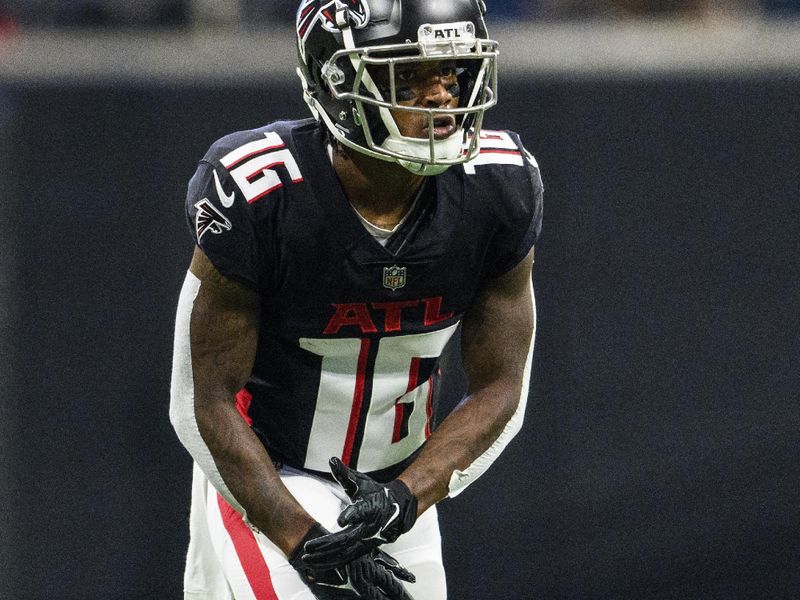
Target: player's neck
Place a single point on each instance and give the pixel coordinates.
(382, 192)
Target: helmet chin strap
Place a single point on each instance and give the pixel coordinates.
(420, 148)
(424, 169)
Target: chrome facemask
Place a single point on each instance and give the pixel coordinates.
(440, 42)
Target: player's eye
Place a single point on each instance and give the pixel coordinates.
(406, 76)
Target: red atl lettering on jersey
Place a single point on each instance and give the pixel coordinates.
(356, 314)
(394, 313)
(363, 315)
(433, 311)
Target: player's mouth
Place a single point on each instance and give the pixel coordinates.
(443, 127)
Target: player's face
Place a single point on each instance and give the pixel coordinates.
(431, 84)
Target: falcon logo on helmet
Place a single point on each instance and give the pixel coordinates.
(324, 11)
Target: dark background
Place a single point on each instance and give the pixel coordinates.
(659, 457)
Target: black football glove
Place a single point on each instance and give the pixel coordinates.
(376, 576)
(380, 513)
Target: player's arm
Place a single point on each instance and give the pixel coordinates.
(497, 345)
(223, 324)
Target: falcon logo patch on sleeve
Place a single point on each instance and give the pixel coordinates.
(208, 218)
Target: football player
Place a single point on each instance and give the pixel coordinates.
(335, 258)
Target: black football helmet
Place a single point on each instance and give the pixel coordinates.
(344, 44)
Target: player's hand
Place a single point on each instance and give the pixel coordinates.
(376, 576)
(380, 513)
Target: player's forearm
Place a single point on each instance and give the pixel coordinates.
(216, 334)
(497, 349)
(461, 438)
(248, 472)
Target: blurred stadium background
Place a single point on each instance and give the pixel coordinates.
(660, 456)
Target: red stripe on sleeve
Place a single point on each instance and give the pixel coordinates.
(500, 151)
(260, 150)
(265, 193)
(250, 557)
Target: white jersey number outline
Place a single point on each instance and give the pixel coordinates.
(341, 396)
(256, 177)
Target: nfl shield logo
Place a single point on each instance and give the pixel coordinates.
(394, 277)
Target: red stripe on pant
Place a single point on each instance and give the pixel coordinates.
(250, 557)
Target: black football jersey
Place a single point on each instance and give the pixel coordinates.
(351, 331)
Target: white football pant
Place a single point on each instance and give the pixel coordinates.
(227, 560)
